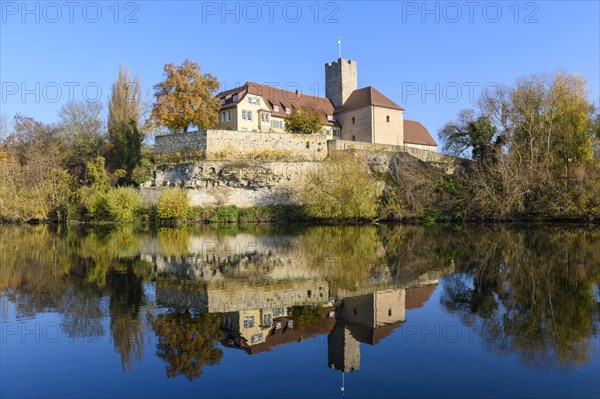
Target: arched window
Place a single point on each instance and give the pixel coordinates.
(353, 120)
(387, 119)
(353, 137)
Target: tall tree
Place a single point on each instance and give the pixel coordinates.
(469, 132)
(186, 98)
(83, 130)
(124, 120)
(125, 104)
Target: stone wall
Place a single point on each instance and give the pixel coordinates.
(244, 184)
(230, 144)
(238, 145)
(180, 142)
(423, 155)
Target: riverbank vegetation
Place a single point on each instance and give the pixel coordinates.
(529, 151)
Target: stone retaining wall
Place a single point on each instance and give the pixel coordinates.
(180, 142)
(236, 145)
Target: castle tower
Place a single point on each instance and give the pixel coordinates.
(343, 350)
(340, 80)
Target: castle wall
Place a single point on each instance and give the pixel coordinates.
(385, 132)
(229, 144)
(239, 145)
(373, 151)
(180, 142)
(361, 129)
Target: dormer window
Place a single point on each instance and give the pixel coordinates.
(276, 108)
(223, 101)
(234, 97)
(288, 110)
(330, 118)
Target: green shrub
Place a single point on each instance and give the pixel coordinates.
(173, 204)
(225, 214)
(142, 172)
(123, 203)
(115, 205)
(96, 206)
(342, 188)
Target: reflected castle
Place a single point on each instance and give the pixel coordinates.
(267, 294)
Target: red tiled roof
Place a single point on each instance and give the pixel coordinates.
(282, 98)
(365, 97)
(416, 133)
(417, 296)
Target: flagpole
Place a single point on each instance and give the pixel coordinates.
(340, 46)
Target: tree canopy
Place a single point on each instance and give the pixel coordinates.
(185, 98)
(304, 120)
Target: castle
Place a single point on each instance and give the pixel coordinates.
(347, 112)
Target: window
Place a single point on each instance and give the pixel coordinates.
(288, 110)
(235, 97)
(353, 120)
(267, 319)
(249, 115)
(353, 137)
(254, 100)
(248, 321)
(276, 124)
(244, 114)
(336, 132)
(264, 117)
(256, 338)
(276, 108)
(387, 119)
(390, 312)
(278, 312)
(223, 101)
(330, 118)
(225, 116)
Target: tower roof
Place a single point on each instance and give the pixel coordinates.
(365, 97)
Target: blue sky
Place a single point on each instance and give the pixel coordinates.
(432, 57)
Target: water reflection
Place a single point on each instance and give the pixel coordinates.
(193, 293)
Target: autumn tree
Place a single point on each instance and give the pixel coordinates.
(186, 98)
(3, 135)
(83, 130)
(34, 183)
(471, 133)
(304, 120)
(125, 104)
(125, 135)
(187, 342)
(539, 133)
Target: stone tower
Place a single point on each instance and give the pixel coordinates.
(343, 350)
(340, 80)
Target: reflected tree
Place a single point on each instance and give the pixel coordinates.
(530, 294)
(187, 342)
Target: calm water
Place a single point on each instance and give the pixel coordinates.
(300, 312)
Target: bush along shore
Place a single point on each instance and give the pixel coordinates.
(529, 151)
